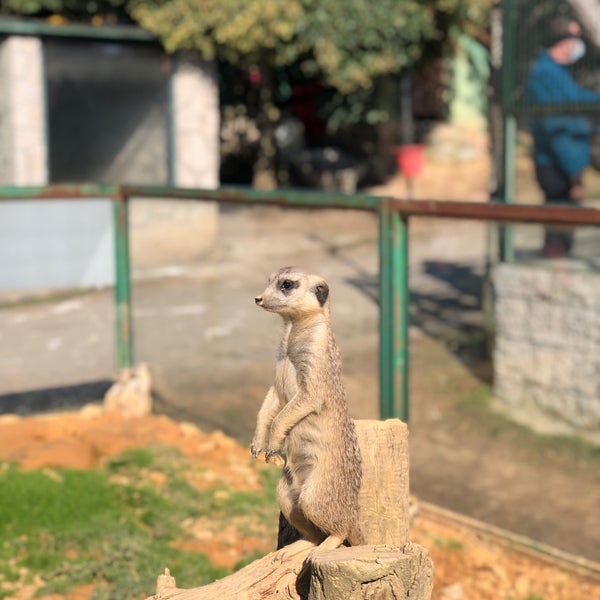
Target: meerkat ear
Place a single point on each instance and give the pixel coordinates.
(322, 292)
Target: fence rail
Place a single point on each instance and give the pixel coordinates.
(393, 215)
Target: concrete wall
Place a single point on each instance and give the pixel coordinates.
(195, 122)
(23, 148)
(56, 244)
(547, 351)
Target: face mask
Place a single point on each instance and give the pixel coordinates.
(576, 52)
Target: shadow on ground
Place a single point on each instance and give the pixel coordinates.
(67, 397)
(449, 312)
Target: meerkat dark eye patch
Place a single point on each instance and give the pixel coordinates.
(287, 285)
(322, 293)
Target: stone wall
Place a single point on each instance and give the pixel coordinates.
(547, 350)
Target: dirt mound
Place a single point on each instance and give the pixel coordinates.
(92, 437)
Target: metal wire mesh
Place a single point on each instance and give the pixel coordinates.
(527, 27)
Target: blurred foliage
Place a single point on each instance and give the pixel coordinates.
(347, 43)
(76, 10)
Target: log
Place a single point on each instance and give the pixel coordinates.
(357, 573)
(273, 576)
(387, 566)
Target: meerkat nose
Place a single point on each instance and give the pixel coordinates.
(258, 300)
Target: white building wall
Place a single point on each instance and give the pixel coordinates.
(195, 105)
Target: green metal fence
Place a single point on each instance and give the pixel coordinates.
(393, 215)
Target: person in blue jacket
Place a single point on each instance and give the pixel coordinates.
(562, 143)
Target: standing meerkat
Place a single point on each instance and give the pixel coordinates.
(304, 417)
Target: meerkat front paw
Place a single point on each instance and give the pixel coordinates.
(271, 452)
(255, 450)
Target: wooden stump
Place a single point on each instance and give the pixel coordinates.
(384, 516)
(368, 572)
(387, 566)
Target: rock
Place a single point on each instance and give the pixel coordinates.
(131, 393)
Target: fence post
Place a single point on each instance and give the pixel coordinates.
(124, 337)
(509, 124)
(393, 313)
(509, 150)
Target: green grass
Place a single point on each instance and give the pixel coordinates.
(111, 526)
(449, 544)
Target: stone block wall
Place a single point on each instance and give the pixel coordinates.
(547, 347)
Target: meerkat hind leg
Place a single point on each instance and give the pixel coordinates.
(331, 542)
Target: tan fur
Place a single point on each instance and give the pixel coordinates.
(304, 417)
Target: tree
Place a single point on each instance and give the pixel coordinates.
(347, 43)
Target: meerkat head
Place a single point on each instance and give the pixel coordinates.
(294, 293)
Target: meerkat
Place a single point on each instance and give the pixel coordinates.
(304, 417)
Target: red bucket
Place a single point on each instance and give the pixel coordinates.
(410, 159)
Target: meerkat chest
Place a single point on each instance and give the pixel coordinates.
(286, 379)
(301, 353)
